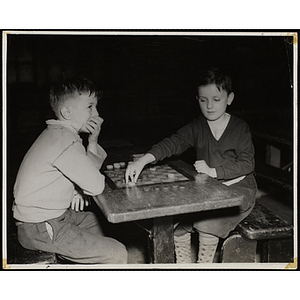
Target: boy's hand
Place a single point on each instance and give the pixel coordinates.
(202, 167)
(133, 171)
(78, 202)
(94, 127)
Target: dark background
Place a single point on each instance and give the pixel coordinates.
(148, 83)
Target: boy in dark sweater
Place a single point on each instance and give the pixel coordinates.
(224, 150)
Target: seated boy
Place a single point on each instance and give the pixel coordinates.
(224, 151)
(54, 176)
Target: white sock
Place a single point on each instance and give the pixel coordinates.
(207, 247)
(183, 248)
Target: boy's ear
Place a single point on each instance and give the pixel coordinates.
(230, 98)
(65, 113)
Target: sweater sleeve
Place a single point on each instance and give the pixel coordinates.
(78, 166)
(243, 161)
(99, 158)
(176, 144)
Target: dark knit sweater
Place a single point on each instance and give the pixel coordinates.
(232, 155)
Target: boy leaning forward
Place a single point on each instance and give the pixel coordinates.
(55, 176)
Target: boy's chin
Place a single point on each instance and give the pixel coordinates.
(83, 129)
(212, 118)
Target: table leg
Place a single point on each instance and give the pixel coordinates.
(161, 241)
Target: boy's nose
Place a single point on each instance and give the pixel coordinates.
(209, 104)
(95, 113)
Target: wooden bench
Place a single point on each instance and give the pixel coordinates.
(261, 226)
(21, 256)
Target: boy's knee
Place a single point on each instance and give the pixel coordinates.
(183, 230)
(117, 255)
(122, 256)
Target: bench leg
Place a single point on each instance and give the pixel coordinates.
(236, 249)
(161, 241)
(278, 250)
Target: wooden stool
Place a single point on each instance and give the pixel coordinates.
(262, 225)
(19, 255)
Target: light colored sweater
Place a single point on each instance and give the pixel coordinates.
(55, 163)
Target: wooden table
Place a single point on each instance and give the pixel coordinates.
(135, 203)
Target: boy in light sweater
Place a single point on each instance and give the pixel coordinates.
(56, 174)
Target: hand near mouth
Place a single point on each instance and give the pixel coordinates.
(93, 126)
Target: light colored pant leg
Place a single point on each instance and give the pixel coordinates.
(76, 238)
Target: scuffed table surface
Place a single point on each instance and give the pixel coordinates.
(139, 203)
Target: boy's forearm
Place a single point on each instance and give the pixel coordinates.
(97, 154)
(92, 147)
(147, 158)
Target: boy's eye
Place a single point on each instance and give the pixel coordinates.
(217, 99)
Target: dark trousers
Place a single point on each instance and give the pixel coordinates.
(221, 222)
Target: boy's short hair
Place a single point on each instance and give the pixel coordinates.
(215, 76)
(61, 91)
